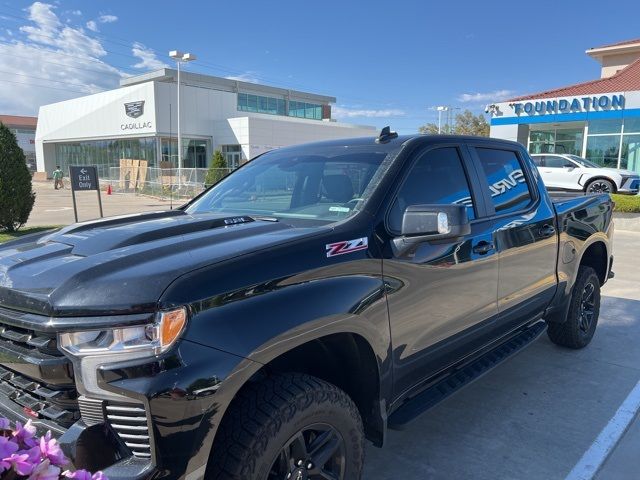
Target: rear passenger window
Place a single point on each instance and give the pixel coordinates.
(438, 177)
(538, 161)
(507, 183)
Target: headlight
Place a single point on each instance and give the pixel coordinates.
(152, 338)
(91, 349)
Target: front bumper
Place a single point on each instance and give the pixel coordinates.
(631, 186)
(177, 392)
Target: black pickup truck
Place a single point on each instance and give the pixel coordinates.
(314, 298)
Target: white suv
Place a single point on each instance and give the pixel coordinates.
(570, 172)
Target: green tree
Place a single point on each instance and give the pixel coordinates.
(16, 194)
(466, 123)
(218, 169)
(469, 124)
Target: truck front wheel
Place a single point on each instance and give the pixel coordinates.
(289, 426)
(584, 309)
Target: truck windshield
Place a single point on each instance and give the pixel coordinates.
(315, 182)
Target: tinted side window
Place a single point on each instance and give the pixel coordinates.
(538, 160)
(557, 162)
(507, 183)
(438, 177)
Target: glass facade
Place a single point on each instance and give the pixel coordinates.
(259, 104)
(232, 155)
(305, 110)
(195, 152)
(105, 153)
(611, 142)
(556, 140)
(248, 102)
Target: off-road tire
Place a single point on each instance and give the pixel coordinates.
(570, 334)
(600, 185)
(266, 414)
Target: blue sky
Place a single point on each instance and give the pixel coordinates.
(386, 62)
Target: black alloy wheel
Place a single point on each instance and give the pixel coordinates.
(587, 307)
(316, 452)
(600, 186)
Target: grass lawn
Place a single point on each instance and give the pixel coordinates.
(627, 203)
(6, 236)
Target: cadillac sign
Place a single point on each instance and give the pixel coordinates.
(134, 109)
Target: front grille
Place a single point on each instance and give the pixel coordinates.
(130, 423)
(59, 405)
(36, 375)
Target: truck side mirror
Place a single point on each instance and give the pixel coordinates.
(422, 223)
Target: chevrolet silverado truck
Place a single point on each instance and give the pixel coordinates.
(313, 299)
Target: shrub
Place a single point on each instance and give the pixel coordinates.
(24, 456)
(217, 170)
(16, 195)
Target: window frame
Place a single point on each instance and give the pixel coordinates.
(470, 172)
(532, 184)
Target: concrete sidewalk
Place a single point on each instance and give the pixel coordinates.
(55, 207)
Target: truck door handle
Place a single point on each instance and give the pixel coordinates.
(482, 248)
(547, 231)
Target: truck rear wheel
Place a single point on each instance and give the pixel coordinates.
(289, 426)
(582, 319)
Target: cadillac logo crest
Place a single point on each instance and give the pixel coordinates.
(134, 109)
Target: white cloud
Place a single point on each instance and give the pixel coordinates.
(77, 13)
(92, 25)
(107, 18)
(148, 58)
(249, 77)
(347, 112)
(51, 62)
(495, 96)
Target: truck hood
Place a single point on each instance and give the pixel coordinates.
(123, 264)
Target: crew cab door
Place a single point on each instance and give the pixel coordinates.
(439, 292)
(525, 233)
(560, 172)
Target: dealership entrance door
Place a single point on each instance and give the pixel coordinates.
(556, 138)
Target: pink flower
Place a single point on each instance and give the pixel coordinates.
(78, 475)
(45, 471)
(84, 475)
(50, 449)
(7, 448)
(4, 424)
(24, 435)
(22, 464)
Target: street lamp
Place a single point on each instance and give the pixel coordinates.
(180, 57)
(440, 109)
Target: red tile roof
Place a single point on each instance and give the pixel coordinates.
(617, 44)
(19, 121)
(625, 80)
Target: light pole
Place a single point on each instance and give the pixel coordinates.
(440, 109)
(180, 57)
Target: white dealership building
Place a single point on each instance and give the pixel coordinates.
(138, 121)
(598, 120)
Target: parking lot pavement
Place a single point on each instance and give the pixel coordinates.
(55, 207)
(534, 416)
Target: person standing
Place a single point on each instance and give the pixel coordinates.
(57, 178)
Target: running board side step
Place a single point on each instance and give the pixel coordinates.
(463, 376)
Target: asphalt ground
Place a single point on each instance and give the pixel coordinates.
(536, 415)
(55, 207)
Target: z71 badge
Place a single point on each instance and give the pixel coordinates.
(347, 246)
